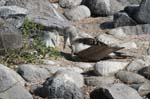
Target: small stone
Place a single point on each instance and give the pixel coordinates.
(106, 68)
(130, 78)
(117, 32)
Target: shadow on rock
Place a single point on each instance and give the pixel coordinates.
(107, 25)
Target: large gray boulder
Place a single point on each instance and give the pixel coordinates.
(69, 3)
(103, 7)
(33, 73)
(10, 11)
(143, 13)
(14, 15)
(61, 85)
(130, 77)
(122, 19)
(77, 13)
(116, 91)
(11, 85)
(42, 12)
(106, 68)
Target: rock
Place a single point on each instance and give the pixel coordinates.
(10, 37)
(9, 78)
(144, 89)
(14, 15)
(106, 68)
(145, 72)
(130, 78)
(103, 7)
(12, 83)
(48, 62)
(117, 32)
(138, 29)
(143, 13)
(129, 45)
(97, 81)
(61, 85)
(69, 3)
(77, 13)
(85, 66)
(54, 69)
(131, 9)
(51, 39)
(11, 11)
(70, 76)
(2, 2)
(116, 91)
(98, 7)
(33, 73)
(122, 19)
(108, 39)
(136, 65)
(15, 92)
(42, 12)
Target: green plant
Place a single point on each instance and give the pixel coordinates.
(31, 52)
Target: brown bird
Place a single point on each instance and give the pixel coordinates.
(89, 49)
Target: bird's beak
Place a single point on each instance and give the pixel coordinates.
(65, 40)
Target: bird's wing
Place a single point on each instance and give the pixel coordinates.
(96, 52)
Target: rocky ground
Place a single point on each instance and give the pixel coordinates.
(69, 77)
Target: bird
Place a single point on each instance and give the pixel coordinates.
(88, 48)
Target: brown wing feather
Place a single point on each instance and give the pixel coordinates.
(96, 53)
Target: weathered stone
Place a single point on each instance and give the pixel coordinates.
(130, 78)
(69, 3)
(97, 81)
(9, 78)
(42, 12)
(77, 13)
(143, 13)
(54, 69)
(106, 68)
(117, 32)
(15, 92)
(145, 72)
(103, 7)
(108, 39)
(33, 73)
(122, 19)
(138, 29)
(144, 89)
(116, 91)
(136, 65)
(131, 9)
(12, 11)
(11, 85)
(61, 85)
(129, 45)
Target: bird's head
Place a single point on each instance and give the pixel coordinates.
(70, 33)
